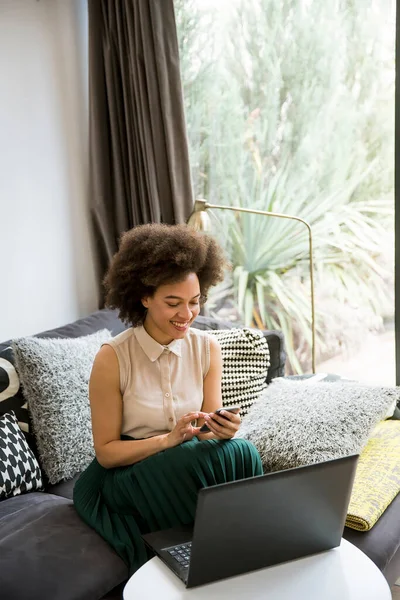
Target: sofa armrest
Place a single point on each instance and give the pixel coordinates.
(276, 343)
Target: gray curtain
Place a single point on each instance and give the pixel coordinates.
(139, 163)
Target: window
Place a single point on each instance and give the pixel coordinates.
(290, 108)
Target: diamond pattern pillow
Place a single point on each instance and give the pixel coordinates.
(19, 469)
(245, 356)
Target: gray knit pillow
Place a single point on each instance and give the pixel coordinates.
(54, 374)
(294, 423)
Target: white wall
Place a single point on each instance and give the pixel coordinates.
(47, 270)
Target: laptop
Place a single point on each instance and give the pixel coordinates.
(258, 522)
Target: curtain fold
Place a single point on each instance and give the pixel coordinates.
(139, 160)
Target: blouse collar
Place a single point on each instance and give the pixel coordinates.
(153, 349)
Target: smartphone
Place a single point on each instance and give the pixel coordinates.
(232, 409)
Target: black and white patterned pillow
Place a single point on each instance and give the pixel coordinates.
(245, 356)
(11, 394)
(11, 397)
(19, 469)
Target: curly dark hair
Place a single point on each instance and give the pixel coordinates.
(156, 254)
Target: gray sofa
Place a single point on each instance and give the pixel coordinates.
(48, 553)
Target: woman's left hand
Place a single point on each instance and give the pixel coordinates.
(223, 428)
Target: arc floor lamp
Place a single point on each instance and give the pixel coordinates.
(200, 220)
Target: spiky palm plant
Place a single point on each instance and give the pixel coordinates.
(302, 125)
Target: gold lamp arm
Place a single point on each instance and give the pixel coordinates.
(198, 220)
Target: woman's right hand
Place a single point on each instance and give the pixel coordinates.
(184, 430)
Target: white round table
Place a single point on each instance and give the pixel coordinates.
(343, 573)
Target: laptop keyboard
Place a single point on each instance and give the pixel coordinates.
(181, 554)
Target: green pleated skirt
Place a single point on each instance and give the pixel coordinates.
(159, 492)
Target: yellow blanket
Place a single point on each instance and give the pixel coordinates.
(377, 480)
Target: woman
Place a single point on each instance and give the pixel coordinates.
(151, 389)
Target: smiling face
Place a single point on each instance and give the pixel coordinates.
(172, 309)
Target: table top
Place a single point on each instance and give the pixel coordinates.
(343, 573)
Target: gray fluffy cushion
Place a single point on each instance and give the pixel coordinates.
(55, 374)
(294, 423)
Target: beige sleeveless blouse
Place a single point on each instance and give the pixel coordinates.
(159, 384)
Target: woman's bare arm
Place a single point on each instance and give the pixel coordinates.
(106, 408)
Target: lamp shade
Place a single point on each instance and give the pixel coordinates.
(200, 220)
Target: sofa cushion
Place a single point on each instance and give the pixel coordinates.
(294, 423)
(55, 375)
(101, 319)
(64, 488)
(19, 469)
(275, 339)
(245, 362)
(48, 552)
(11, 396)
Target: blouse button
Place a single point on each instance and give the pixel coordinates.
(170, 419)
(167, 395)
